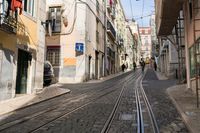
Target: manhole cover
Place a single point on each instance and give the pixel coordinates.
(190, 113)
(127, 117)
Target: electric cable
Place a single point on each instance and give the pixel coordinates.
(131, 8)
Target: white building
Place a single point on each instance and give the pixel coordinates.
(137, 47)
(129, 48)
(76, 51)
(120, 25)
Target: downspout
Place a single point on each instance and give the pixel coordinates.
(187, 55)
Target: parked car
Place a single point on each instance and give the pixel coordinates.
(48, 73)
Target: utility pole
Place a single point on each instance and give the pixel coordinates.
(105, 38)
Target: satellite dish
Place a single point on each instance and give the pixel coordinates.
(49, 28)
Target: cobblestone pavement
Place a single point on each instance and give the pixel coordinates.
(88, 106)
(125, 118)
(168, 118)
(82, 120)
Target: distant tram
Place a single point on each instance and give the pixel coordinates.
(147, 60)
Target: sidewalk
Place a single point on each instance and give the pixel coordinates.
(27, 100)
(46, 94)
(102, 79)
(185, 102)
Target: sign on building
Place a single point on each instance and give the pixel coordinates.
(79, 48)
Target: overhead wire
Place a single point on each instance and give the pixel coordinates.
(131, 9)
(142, 10)
(75, 16)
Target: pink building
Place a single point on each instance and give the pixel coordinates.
(146, 47)
(178, 21)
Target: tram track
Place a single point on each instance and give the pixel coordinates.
(82, 106)
(118, 88)
(5, 126)
(142, 120)
(153, 126)
(108, 123)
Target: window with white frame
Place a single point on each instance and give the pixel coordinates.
(29, 7)
(53, 55)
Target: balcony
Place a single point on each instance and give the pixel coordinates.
(8, 24)
(109, 6)
(97, 6)
(120, 41)
(113, 14)
(111, 30)
(167, 12)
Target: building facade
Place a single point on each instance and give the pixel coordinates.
(76, 50)
(129, 48)
(120, 25)
(137, 38)
(22, 42)
(146, 47)
(111, 45)
(185, 25)
(154, 39)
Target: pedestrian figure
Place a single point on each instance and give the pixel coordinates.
(155, 66)
(123, 67)
(126, 65)
(142, 65)
(134, 65)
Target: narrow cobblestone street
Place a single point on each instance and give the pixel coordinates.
(89, 105)
(167, 116)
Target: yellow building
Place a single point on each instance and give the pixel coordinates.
(22, 43)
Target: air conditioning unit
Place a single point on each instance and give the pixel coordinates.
(55, 18)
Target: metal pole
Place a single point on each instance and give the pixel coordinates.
(196, 74)
(179, 65)
(105, 42)
(181, 55)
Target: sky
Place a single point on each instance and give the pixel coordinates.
(139, 8)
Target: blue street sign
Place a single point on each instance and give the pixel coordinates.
(79, 47)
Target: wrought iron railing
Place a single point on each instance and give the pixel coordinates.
(111, 29)
(8, 23)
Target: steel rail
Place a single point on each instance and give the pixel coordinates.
(140, 121)
(7, 125)
(117, 103)
(74, 110)
(150, 111)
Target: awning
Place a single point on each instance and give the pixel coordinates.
(167, 12)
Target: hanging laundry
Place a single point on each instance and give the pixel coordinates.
(16, 4)
(111, 2)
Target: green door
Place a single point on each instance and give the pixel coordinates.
(22, 72)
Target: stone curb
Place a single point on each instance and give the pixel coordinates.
(181, 112)
(106, 78)
(35, 103)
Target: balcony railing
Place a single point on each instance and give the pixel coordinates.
(97, 6)
(120, 40)
(97, 36)
(111, 30)
(8, 24)
(113, 15)
(109, 6)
